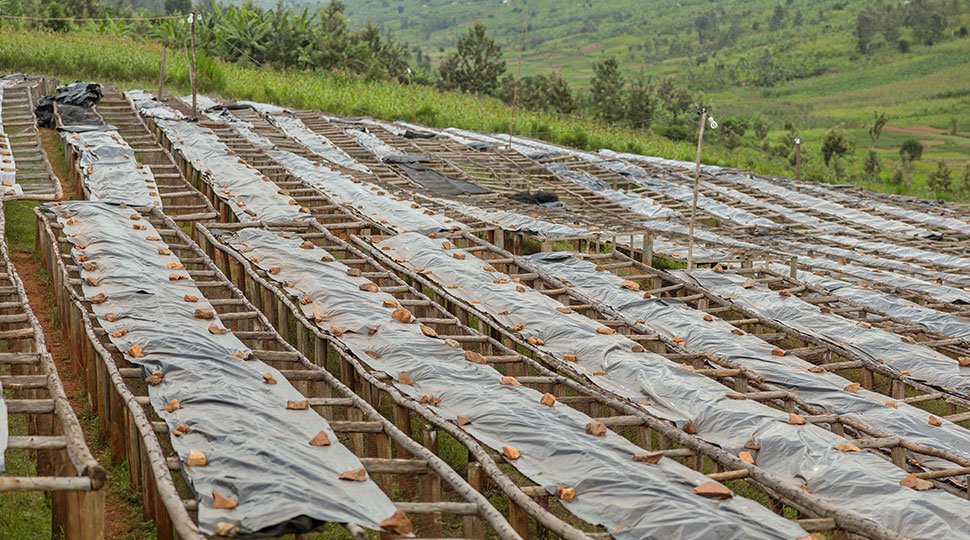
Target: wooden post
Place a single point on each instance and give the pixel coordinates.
(192, 78)
(798, 159)
(697, 181)
(161, 73)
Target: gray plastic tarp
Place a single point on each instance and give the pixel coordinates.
(922, 363)
(901, 251)
(804, 454)
(632, 500)
(247, 192)
(372, 201)
(642, 205)
(217, 113)
(892, 272)
(257, 449)
(8, 165)
(672, 318)
(909, 213)
(110, 171)
(681, 193)
(517, 222)
(147, 106)
(890, 304)
(295, 129)
(828, 207)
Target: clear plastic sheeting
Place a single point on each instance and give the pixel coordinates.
(109, 170)
(295, 129)
(642, 205)
(803, 454)
(256, 449)
(674, 319)
(682, 193)
(890, 304)
(919, 362)
(370, 200)
(249, 194)
(632, 500)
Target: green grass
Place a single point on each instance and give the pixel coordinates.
(926, 87)
(23, 516)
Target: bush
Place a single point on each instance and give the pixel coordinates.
(911, 150)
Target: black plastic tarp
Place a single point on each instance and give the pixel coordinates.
(82, 95)
(804, 454)
(257, 449)
(632, 500)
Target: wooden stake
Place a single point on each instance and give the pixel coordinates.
(195, 105)
(798, 159)
(697, 181)
(161, 73)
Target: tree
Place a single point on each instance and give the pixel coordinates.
(606, 90)
(871, 166)
(911, 150)
(548, 93)
(761, 127)
(877, 124)
(925, 19)
(940, 180)
(178, 6)
(867, 25)
(640, 103)
(899, 175)
(954, 126)
(777, 20)
(965, 180)
(835, 145)
(675, 98)
(477, 64)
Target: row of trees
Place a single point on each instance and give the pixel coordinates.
(926, 19)
(477, 66)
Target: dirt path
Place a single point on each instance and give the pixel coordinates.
(122, 517)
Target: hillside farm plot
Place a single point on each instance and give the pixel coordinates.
(406, 330)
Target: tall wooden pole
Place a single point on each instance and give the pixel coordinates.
(161, 73)
(518, 71)
(195, 105)
(697, 181)
(798, 159)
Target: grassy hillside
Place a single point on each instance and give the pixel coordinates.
(807, 50)
(921, 92)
